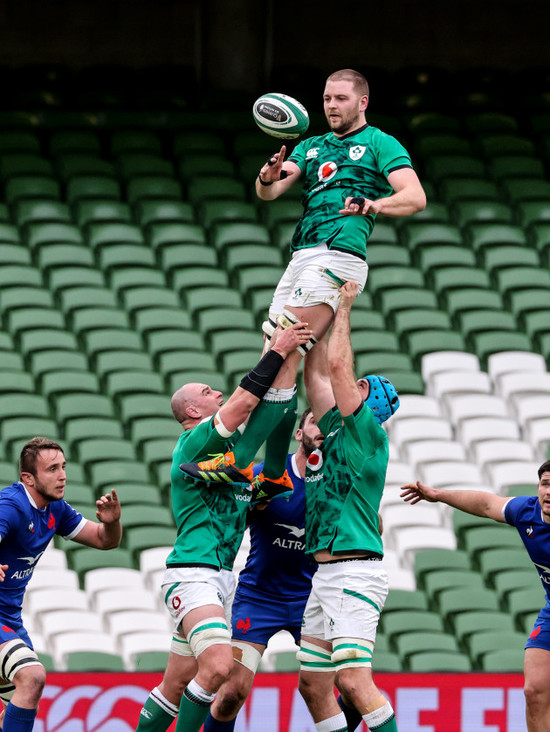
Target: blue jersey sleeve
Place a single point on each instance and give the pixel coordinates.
(513, 508)
(69, 522)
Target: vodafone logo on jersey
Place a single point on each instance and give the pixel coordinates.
(327, 171)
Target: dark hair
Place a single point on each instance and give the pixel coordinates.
(29, 453)
(359, 82)
(544, 468)
(303, 418)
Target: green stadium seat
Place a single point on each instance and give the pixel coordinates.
(39, 210)
(515, 166)
(94, 661)
(497, 257)
(229, 233)
(13, 165)
(69, 406)
(379, 255)
(477, 540)
(106, 234)
(383, 233)
(70, 277)
(525, 301)
(85, 560)
(437, 661)
(172, 319)
(281, 234)
(23, 187)
(81, 429)
(12, 381)
(134, 165)
(238, 256)
(409, 644)
(406, 322)
(439, 580)
(403, 298)
(419, 236)
(470, 299)
(107, 472)
(55, 256)
(27, 318)
(88, 213)
(475, 322)
(202, 298)
(259, 277)
(366, 340)
(123, 141)
(193, 166)
(432, 560)
(493, 561)
(76, 165)
(447, 279)
(9, 234)
(385, 278)
(129, 276)
(443, 144)
(468, 624)
(142, 493)
(380, 362)
(148, 515)
(512, 580)
(151, 661)
(539, 237)
(23, 405)
(178, 257)
(173, 339)
(97, 449)
(55, 383)
(74, 141)
(121, 383)
(215, 211)
(492, 146)
(437, 257)
(138, 538)
(454, 166)
(14, 254)
(479, 644)
(20, 275)
(490, 122)
(214, 379)
(526, 189)
(149, 428)
(503, 660)
(470, 212)
(111, 339)
(525, 601)
(455, 601)
(280, 210)
(532, 212)
(468, 189)
(223, 342)
(164, 212)
(43, 339)
(484, 235)
(536, 324)
(176, 361)
(367, 319)
(152, 187)
(45, 361)
(91, 318)
(427, 341)
(193, 278)
(206, 141)
(410, 621)
(406, 383)
(485, 344)
(202, 188)
(140, 298)
(113, 361)
(386, 662)
(14, 297)
(405, 600)
(430, 122)
(90, 187)
(144, 405)
(19, 141)
(216, 319)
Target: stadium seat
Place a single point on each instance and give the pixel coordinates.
(439, 580)
(526, 189)
(31, 211)
(23, 187)
(65, 644)
(440, 167)
(524, 601)
(202, 188)
(468, 189)
(503, 660)
(150, 212)
(433, 450)
(470, 212)
(408, 645)
(410, 540)
(145, 537)
(90, 187)
(401, 622)
(92, 661)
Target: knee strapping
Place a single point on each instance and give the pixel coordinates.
(314, 658)
(14, 656)
(352, 653)
(180, 646)
(246, 655)
(208, 632)
(286, 320)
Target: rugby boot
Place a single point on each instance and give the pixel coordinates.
(264, 489)
(220, 469)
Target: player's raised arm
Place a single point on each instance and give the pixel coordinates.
(276, 176)
(478, 503)
(108, 532)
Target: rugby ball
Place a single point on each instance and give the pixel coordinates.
(280, 116)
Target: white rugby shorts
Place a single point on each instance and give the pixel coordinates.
(346, 600)
(186, 588)
(307, 280)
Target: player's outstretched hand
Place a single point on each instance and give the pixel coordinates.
(414, 492)
(271, 171)
(108, 508)
(286, 340)
(359, 206)
(348, 293)
(3, 568)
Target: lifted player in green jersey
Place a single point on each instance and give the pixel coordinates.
(198, 584)
(344, 483)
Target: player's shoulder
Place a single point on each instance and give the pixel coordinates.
(15, 494)
(521, 506)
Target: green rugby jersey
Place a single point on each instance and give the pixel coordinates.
(211, 518)
(344, 483)
(334, 168)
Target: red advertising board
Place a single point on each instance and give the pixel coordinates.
(422, 702)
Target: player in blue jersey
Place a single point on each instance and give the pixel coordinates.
(274, 585)
(531, 517)
(32, 511)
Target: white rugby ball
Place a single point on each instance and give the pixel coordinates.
(280, 116)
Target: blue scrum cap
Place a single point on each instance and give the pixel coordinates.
(382, 398)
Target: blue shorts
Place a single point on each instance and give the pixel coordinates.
(540, 635)
(9, 632)
(255, 619)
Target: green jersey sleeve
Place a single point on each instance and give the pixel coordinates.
(364, 436)
(390, 154)
(200, 442)
(300, 152)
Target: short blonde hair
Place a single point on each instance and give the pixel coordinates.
(359, 82)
